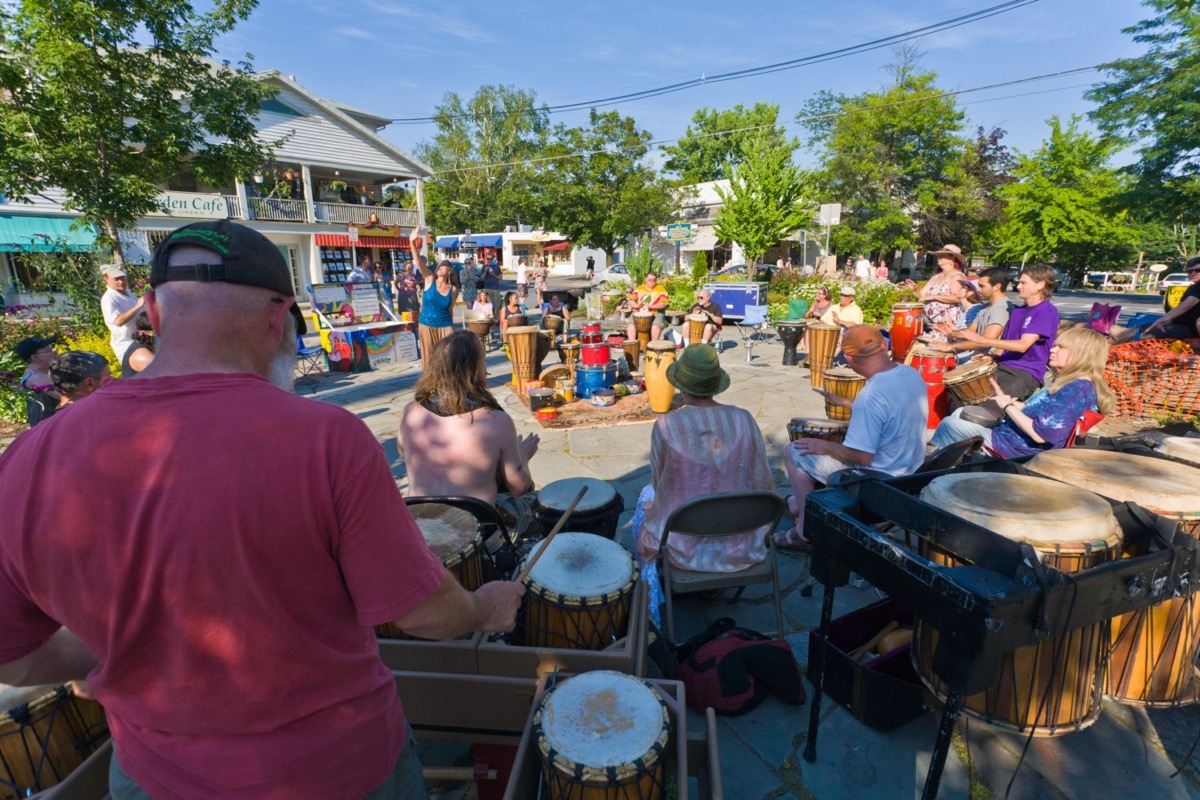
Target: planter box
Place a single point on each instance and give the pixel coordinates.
(469, 708)
(627, 654)
(418, 655)
(884, 693)
(523, 785)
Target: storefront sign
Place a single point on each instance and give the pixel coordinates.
(679, 232)
(192, 205)
(374, 228)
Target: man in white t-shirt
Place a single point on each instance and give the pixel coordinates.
(121, 309)
(863, 269)
(522, 277)
(887, 425)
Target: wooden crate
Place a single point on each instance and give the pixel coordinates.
(490, 709)
(418, 655)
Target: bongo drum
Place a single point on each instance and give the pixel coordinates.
(844, 382)
(545, 343)
(45, 733)
(643, 322)
(971, 383)
(659, 356)
(578, 594)
(822, 346)
(602, 735)
(633, 351)
(522, 348)
(933, 366)
(1049, 688)
(908, 322)
(554, 325)
(1152, 650)
(790, 333)
(482, 328)
(1181, 447)
(831, 430)
(453, 535)
(598, 512)
(696, 323)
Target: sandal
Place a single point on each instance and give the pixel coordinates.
(791, 542)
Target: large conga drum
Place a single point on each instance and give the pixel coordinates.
(844, 382)
(454, 536)
(822, 347)
(643, 324)
(696, 323)
(577, 595)
(1152, 650)
(933, 366)
(908, 322)
(633, 351)
(831, 430)
(1182, 447)
(45, 733)
(522, 350)
(659, 356)
(602, 735)
(598, 511)
(1051, 687)
(790, 333)
(971, 383)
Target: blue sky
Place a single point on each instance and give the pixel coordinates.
(399, 58)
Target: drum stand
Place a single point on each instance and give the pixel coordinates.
(965, 603)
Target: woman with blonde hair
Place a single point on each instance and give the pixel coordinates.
(1046, 420)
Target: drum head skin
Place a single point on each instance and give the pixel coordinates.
(1158, 485)
(843, 374)
(1183, 447)
(446, 529)
(602, 719)
(970, 371)
(1043, 513)
(582, 565)
(559, 494)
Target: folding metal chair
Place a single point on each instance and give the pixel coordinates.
(752, 325)
(309, 359)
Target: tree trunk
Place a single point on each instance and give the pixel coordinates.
(111, 231)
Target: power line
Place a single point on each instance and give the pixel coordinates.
(766, 69)
(796, 121)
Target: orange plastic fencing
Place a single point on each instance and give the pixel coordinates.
(1155, 375)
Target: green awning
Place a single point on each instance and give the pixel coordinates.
(23, 233)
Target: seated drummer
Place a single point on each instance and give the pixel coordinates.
(512, 305)
(989, 322)
(557, 308)
(1022, 352)
(648, 297)
(1182, 321)
(704, 305)
(703, 448)
(886, 432)
(454, 437)
(1047, 419)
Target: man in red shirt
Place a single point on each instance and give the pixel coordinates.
(216, 576)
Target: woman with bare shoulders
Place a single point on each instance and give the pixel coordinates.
(437, 302)
(454, 437)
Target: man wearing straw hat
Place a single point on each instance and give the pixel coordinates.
(887, 428)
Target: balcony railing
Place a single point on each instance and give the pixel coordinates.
(278, 209)
(234, 205)
(342, 213)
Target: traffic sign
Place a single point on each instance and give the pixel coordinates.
(352, 234)
(830, 214)
(679, 232)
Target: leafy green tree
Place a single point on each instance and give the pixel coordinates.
(642, 262)
(1151, 101)
(768, 198)
(601, 190)
(712, 145)
(484, 155)
(106, 99)
(898, 162)
(700, 266)
(1064, 204)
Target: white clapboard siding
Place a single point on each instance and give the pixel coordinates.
(50, 200)
(317, 138)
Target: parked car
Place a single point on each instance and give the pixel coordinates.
(613, 272)
(1173, 279)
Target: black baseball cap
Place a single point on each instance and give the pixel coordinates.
(27, 347)
(245, 257)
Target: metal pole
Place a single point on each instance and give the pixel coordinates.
(818, 670)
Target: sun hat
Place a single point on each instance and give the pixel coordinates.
(971, 290)
(698, 372)
(246, 257)
(863, 340)
(954, 251)
(848, 291)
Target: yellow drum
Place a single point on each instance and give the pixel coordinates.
(696, 323)
(659, 356)
(643, 324)
(1153, 650)
(1049, 688)
(844, 382)
(523, 350)
(822, 347)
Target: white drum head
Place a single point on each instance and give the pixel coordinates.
(13, 696)
(1158, 485)
(1026, 509)
(582, 565)
(446, 529)
(602, 719)
(1183, 447)
(559, 494)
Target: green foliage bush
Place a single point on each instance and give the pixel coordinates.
(682, 293)
(643, 262)
(700, 267)
(96, 344)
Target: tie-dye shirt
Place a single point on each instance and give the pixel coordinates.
(1054, 417)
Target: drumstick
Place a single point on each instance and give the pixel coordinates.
(553, 532)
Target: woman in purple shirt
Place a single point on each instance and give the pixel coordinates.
(1045, 421)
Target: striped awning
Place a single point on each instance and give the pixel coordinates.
(343, 240)
(703, 239)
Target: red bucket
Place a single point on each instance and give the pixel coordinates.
(595, 355)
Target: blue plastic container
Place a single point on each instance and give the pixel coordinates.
(589, 378)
